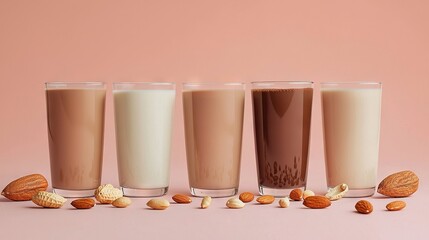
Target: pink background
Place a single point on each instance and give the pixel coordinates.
(179, 41)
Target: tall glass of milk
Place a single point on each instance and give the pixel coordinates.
(351, 126)
(143, 123)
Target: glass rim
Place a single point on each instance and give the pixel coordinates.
(296, 82)
(190, 84)
(75, 85)
(364, 83)
(146, 83)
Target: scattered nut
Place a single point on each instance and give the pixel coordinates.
(83, 203)
(364, 207)
(181, 198)
(122, 202)
(205, 203)
(247, 197)
(24, 188)
(48, 200)
(400, 184)
(265, 199)
(234, 203)
(396, 205)
(317, 202)
(307, 193)
(107, 193)
(158, 204)
(337, 192)
(296, 194)
(284, 202)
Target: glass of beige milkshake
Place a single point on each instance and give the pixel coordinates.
(143, 120)
(75, 114)
(213, 118)
(351, 126)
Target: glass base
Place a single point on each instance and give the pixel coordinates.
(277, 192)
(197, 192)
(74, 193)
(358, 192)
(138, 192)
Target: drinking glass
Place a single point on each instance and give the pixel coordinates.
(143, 119)
(351, 126)
(213, 118)
(75, 115)
(281, 122)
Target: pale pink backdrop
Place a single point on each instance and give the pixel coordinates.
(179, 41)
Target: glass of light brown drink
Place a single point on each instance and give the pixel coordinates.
(75, 114)
(281, 121)
(213, 117)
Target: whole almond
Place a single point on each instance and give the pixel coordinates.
(396, 205)
(307, 193)
(107, 193)
(284, 202)
(364, 207)
(180, 198)
(122, 202)
(235, 203)
(265, 199)
(317, 202)
(24, 188)
(158, 204)
(246, 197)
(48, 200)
(83, 203)
(205, 203)
(296, 194)
(400, 184)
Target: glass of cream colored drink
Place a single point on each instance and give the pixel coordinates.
(143, 120)
(213, 117)
(351, 126)
(75, 114)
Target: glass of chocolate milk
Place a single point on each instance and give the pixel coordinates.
(143, 120)
(213, 117)
(351, 126)
(75, 114)
(281, 122)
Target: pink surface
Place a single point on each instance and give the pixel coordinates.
(180, 40)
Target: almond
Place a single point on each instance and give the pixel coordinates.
(83, 203)
(246, 197)
(205, 203)
(122, 202)
(235, 203)
(24, 188)
(400, 184)
(284, 202)
(180, 198)
(364, 207)
(265, 199)
(158, 204)
(48, 200)
(107, 193)
(396, 205)
(317, 202)
(296, 194)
